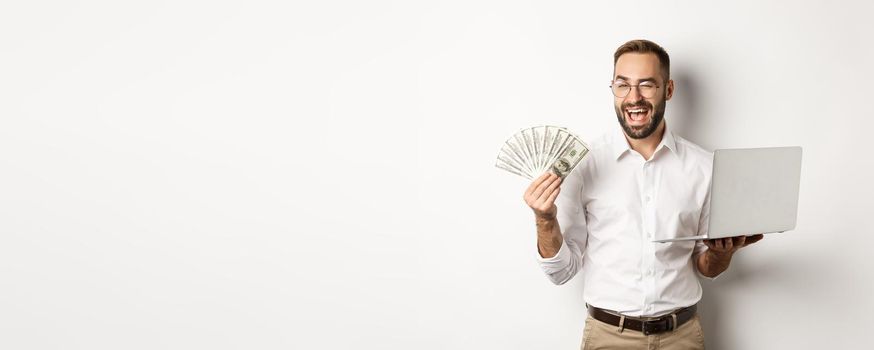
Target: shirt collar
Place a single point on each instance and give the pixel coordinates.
(619, 144)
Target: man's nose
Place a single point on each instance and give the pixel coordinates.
(634, 95)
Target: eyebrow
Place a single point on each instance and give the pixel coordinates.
(639, 81)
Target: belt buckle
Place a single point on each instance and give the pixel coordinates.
(656, 326)
(645, 327)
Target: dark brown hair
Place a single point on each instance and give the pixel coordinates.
(645, 46)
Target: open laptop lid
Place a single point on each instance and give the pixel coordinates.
(753, 190)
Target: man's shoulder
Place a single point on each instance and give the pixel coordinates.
(693, 152)
(602, 142)
(598, 148)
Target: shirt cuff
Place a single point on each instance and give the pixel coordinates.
(695, 261)
(562, 255)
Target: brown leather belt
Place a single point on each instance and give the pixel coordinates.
(646, 325)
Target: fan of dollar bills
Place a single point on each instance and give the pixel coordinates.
(533, 151)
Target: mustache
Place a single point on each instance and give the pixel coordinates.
(638, 104)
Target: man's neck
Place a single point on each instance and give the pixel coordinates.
(647, 146)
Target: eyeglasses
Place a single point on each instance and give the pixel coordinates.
(621, 88)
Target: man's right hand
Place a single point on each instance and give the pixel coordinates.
(540, 196)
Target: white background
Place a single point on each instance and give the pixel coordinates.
(319, 175)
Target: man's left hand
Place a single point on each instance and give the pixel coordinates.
(729, 245)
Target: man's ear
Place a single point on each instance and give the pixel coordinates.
(670, 90)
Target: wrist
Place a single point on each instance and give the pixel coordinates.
(544, 216)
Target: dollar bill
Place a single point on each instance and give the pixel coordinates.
(569, 158)
(532, 151)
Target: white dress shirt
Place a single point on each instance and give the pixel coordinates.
(610, 209)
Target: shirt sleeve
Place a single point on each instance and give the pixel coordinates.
(571, 216)
(703, 229)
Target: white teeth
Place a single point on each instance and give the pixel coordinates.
(636, 110)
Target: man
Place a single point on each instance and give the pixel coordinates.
(636, 185)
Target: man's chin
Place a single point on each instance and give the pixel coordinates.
(639, 131)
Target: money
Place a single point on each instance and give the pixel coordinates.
(533, 151)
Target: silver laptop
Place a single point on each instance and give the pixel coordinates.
(753, 190)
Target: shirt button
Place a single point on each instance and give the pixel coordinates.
(646, 199)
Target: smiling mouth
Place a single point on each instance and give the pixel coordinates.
(637, 114)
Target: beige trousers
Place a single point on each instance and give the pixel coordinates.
(599, 335)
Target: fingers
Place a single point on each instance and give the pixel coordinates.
(550, 189)
(551, 199)
(753, 239)
(535, 183)
(709, 244)
(545, 203)
(542, 190)
(732, 244)
(715, 244)
(719, 244)
(738, 242)
(541, 184)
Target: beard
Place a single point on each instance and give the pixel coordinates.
(643, 131)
